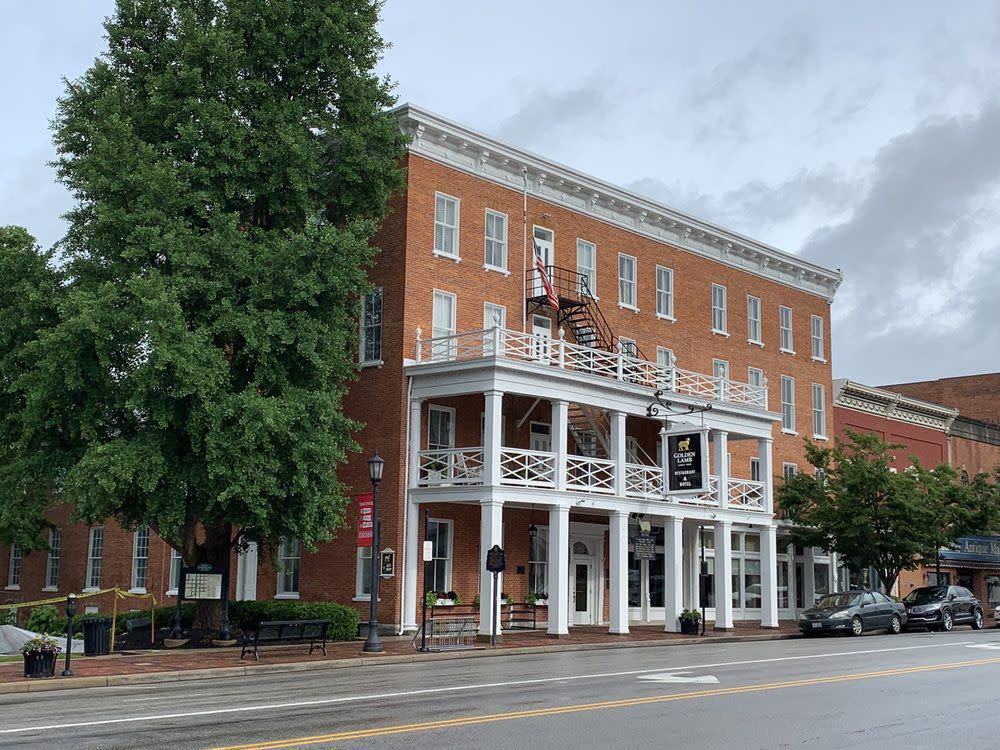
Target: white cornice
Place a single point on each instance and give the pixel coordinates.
(457, 146)
(894, 406)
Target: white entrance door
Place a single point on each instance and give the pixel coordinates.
(541, 328)
(543, 245)
(583, 584)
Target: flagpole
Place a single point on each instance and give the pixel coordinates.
(524, 256)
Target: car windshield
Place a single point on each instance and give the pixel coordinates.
(926, 596)
(846, 599)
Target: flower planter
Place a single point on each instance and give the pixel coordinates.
(690, 627)
(40, 664)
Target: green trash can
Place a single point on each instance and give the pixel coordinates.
(97, 636)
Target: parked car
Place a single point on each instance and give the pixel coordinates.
(942, 608)
(996, 616)
(853, 612)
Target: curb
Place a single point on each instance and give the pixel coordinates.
(252, 670)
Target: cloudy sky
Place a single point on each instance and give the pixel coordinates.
(863, 136)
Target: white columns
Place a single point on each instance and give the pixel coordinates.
(692, 552)
(618, 571)
(411, 552)
(769, 577)
(673, 574)
(490, 533)
(720, 458)
(492, 438)
(618, 450)
(560, 432)
(559, 570)
(723, 575)
(766, 472)
(834, 569)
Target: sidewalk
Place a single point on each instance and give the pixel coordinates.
(139, 667)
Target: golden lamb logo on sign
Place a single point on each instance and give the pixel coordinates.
(685, 444)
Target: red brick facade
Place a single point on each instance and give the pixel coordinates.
(975, 396)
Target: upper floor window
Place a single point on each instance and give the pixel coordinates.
(787, 403)
(785, 315)
(626, 281)
(628, 346)
(52, 562)
(586, 267)
(818, 348)
(664, 292)
(664, 356)
(819, 410)
(443, 324)
(755, 376)
(446, 225)
(496, 240)
(789, 470)
(753, 320)
(720, 369)
(140, 558)
(14, 570)
(95, 557)
(371, 326)
(719, 322)
(754, 469)
(289, 560)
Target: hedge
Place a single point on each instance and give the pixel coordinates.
(343, 620)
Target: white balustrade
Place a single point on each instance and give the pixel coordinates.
(524, 468)
(590, 474)
(451, 466)
(746, 494)
(644, 481)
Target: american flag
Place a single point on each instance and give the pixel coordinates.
(544, 277)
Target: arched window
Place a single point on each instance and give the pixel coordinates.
(579, 548)
(964, 478)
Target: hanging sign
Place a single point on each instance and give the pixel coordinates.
(388, 563)
(687, 461)
(366, 520)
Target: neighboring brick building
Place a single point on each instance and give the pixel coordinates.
(517, 423)
(975, 396)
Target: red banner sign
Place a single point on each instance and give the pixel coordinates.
(366, 520)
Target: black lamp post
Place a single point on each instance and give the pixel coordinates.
(372, 643)
(70, 611)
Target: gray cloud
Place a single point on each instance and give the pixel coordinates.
(546, 115)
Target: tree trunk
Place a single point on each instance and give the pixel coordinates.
(213, 548)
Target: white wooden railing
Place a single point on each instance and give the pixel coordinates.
(746, 494)
(451, 466)
(525, 468)
(544, 350)
(588, 474)
(644, 481)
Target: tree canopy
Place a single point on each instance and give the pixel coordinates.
(856, 505)
(185, 367)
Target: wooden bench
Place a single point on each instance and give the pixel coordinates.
(287, 631)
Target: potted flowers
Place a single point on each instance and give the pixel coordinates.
(690, 618)
(40, 656)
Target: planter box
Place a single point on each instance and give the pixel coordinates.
(690, 627)
(41, 664)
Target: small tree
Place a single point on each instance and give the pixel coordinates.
(857, 506)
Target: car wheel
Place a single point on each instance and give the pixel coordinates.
(895, 625)
(977, 620)
(947, 621)
(857, 627)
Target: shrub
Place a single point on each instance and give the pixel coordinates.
(45, 618)
(343, 620)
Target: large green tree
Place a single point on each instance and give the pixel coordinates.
(230, 161)
(856, 505)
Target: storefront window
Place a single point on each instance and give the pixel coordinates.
(736, 582)
(993, 590)
(782, 584)
(751, 579)
(800, 585)
(656, 580)
(752, 543)
(938, 579)
(821, 580)
(710, 598)
(634, 581)
(538, 562)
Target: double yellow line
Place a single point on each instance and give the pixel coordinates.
(359, 734)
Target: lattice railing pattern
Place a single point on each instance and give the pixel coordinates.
(590, 474)
(643, 481)
(744, 493)
(525, 468)
(451, 466)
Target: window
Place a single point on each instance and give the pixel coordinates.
(785, 315)
(140, 558)
(626, 281)
(52, 563)
(289, 561)
(753, 320)
(586, 267)
(789, 471)
(938, 579)
(440, 565)
(94, 557)
(175, 571)
(443, 325)
(664, 292)
(371, 327)
(817, 338)
(754, 469)
(719, 308)
(755, 377)
(720, 369)
(14, 571)
(628, 346)
(819, 410)
(538, 563)
(363, 580)
(440, 428)
(496, 240)
(664, 356)
(787, 403)
(494, 316)
(445, 225)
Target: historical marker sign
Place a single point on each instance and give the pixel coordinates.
(388, 563)
(644, 547)
(495, 560)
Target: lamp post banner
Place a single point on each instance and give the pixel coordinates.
(366, 519)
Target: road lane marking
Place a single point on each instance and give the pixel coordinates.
(679, 677)
(452, 689)
(360, 734)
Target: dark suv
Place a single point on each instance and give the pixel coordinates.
(942, 608)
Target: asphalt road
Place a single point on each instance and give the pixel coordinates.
(915, 690)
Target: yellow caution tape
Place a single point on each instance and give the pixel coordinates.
(120, 593)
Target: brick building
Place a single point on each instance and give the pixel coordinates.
(520, 422)
(975, 396)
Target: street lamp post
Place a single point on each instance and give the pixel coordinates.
(372, 643)
(70, 611)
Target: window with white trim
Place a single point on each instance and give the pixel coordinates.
(14, 569)
(789, 470)
(755, 376)
(787, 403)
(819, 410)
(538, 563)
(140, 558)
(289, 565)
(440, 535)
(496, 240)
(818, 348)
(95, 557)
(628, 346)
(626, 281)
(446, 210)
(174, 579)
(443, 324)
(785, 322)
(720, 369)
(363, 580)
(754, 469)
(52, 561)
(586, 267)
(753, 320)
(494, 316)
(371, 327)
(719, 321)
(664, 292)
(664, 356)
